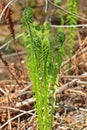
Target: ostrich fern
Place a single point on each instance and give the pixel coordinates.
(43, 66)
(71, 20)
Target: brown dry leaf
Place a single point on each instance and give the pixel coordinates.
(68, 120)
(3, 117)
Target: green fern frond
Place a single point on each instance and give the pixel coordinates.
(71, 20)
(43, 67)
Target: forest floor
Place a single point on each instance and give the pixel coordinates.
(16, 99)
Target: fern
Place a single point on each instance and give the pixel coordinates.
(43, 66)
(71, 20)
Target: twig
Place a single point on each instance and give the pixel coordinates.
(76, 55)
(18, 123)
(68, 26)
(81, 82)
(2, 91)
(7, 43)
(46, 5)
(72, 68)
(59, 7)
(65, 86)
(23, 91)
(82, 109)
(26, 112)
(66, 106)
(14, 54)
(71, 107)
(26, 88)
(31, 120)
(11, 108)
(74, 76)
(9, 117)
(25, 102)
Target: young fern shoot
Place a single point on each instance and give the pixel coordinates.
(43, 66)
(71, 20)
